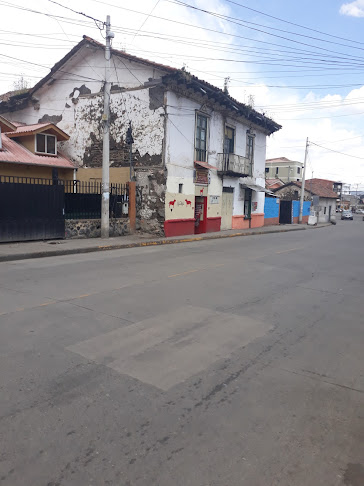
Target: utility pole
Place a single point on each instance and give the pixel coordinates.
(130, 141)
(303, 184)
(106, 136)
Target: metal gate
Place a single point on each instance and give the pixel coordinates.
(285, 212)
(31, 211)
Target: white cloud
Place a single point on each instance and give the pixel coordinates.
(353, 9)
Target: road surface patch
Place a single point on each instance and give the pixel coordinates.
(167, 349)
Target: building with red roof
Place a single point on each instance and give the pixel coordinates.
(32, 151)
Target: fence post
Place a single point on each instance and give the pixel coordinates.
(132, 206)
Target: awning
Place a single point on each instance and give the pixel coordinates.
(205, 165)
(256, 187)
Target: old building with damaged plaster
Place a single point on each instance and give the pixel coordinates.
(198, 154)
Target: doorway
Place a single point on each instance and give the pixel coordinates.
(227, 204)
(200, 214)
(248, 203)
(285, 212)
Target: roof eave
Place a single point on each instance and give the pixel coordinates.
(217, 95)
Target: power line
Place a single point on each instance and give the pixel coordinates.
(343, 140)
(140, 28)
(336, 151)
(80, 13)
(210, 30)
(46, 67)
(241, 22)
(320, 117)
(292, 23)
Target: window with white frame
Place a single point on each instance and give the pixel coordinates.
(46, 144)
(201, 138)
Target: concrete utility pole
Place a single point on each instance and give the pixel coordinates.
(130, 141)
(106, 137)
(303, 184)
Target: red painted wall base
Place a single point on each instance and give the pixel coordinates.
(179, 227)
(213, 224)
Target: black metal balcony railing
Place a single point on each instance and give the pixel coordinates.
(234, 164)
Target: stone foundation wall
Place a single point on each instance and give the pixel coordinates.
(150, 200)
(91, 228)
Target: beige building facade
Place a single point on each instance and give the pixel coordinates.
(284, 169)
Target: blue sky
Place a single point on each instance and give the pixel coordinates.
(300, 86)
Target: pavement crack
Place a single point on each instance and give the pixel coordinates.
(317, 378)
(319, 290)
(100, 313)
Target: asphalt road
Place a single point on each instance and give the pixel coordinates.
(216, 363)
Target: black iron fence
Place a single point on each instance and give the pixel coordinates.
(82, 199)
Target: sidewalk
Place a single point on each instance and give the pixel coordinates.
(40, 249)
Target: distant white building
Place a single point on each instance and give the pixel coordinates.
(284, 169)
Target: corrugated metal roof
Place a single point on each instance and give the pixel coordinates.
(13, 152)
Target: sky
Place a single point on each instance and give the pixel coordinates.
(300, 63)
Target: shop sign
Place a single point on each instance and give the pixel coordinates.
(214, 199)
(201, 176)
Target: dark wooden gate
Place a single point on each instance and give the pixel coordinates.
(31, 211)
(285, 212)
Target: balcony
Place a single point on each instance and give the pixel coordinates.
(234, 165)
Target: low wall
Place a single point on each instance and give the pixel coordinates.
(271, 221)
(213, 224)
(239, 222)
(304, 219)
(91, 228)
(305, 210)
(271, 211)
(257, 220)
(179, 227)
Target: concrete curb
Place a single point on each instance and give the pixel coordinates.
(141, 244)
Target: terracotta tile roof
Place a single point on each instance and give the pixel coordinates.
(280, 159)
(18, 124)
(171, 74)
(15, 92)
(13, 152)
(36, 128)
(28, 128)
(130, 56)
(273, 183)
(315, 187)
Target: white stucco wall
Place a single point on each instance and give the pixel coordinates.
(325, 202)
(180, 142)
(79, 115)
